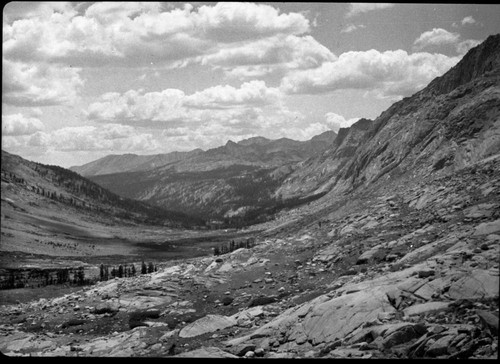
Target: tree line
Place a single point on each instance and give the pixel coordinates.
(123, 271)
(232, 246)
(19, 278)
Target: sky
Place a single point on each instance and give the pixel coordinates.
(83, 80)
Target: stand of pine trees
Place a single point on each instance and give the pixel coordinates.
(122, 271)
(232, 245)
(16, 278)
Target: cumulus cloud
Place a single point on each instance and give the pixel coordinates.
(27, 10)
(391, 73)
(276, 54)
(229, 22)
(173, 108)
(137, 33)
(138, 106)
(359, 8)
(18, 124)
(208, 117)
(39, 84)
(336, 121)
(440, 37)
(435, 37)
(51, 43)
(250, 93)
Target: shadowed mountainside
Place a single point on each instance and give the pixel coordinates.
(235, 183)
(66, 187)
(131, 163)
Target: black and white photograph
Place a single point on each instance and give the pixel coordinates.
(250, 180)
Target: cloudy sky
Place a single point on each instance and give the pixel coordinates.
(83, 80)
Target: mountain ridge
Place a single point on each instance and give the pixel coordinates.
(422, 129)
(252, 151)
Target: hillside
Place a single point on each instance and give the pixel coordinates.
(66, 188)
(131, 163)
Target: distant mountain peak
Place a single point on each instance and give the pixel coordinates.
(254, 140)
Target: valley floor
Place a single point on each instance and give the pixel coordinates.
(397, 271)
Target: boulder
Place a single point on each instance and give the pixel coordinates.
(264, 300)
(334, 319)
(377, 253)
(133, 301)
(139, 318)
(440, 346)
(489, 320)
(243, 349)
(425, 308)
(73, 322)
(209, 323)
(402, 335)
(478, 284)
(488, 228)
(105, 308)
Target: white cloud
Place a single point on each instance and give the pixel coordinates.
(250, 93)
(171, 107)
(208, 117)
(391, 73)
(18, 124)
(16, 10)
(351, 28)
(468, 20)
(440, 37)
(336, 121)
(45, 46)
(229, 22)
(139, 33)
(137, 106)
(464, 21)
(39, 84)
(359, 8)
(270, 55)
(436, 37)
(106, 137)
(12, 143)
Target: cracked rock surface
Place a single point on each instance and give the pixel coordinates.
(428, 288)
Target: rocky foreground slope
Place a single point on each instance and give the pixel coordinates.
(403, 270)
